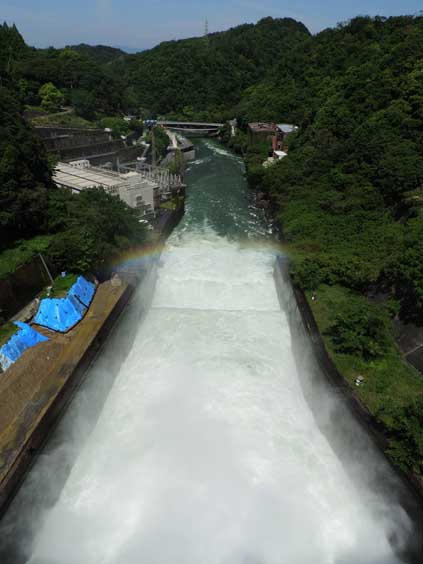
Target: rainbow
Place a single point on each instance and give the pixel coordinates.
(138, 257)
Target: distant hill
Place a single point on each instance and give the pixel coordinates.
(209, 73)
(190, 76)
(100, 54)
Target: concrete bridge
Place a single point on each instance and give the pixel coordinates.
(193, 128)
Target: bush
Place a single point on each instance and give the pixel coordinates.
(307, 273)
(118, 126)
(84, 104)
(51, 97)
(360, 329)
(406, 425)
(76, 250)
(95, 226)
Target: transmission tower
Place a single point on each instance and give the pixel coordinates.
(206, 27)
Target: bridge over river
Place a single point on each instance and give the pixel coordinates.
(193, 129)
(200, 435)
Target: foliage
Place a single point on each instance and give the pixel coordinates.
(62, 284)
(7, 330)
(202, 79)
(405, 422)
(22, 252)
(51, 97)
(84, 104)
(12, 47)
(100, 54)
(117, 125)
(64, 119)
(343, 191)
(24, 174)
(408, 270)
(161, 141)
(360, 329)
(136, 126)
(176, 166)
(391, 389)
(93, 227)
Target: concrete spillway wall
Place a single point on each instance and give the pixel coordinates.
(349, 427)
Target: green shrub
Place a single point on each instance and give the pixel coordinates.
(405, 422)
(361, 329)
(51, 97)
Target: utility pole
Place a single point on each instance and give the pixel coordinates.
(46, 269)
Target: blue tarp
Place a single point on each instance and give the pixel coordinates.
(23, 339)
(83, 290)
(60, 314)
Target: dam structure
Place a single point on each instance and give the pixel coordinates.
(203, 448)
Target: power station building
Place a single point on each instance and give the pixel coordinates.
(132, 187)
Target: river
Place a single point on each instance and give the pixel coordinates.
(202, 448)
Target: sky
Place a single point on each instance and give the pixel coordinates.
(141, 24)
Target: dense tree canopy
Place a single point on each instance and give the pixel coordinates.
(24, 174)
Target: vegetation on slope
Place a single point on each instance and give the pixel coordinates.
(209, 74)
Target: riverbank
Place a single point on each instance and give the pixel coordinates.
(388, 387)
(36, 390)
(354, 422)
(374, 428)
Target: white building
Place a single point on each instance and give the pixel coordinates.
(131, 187)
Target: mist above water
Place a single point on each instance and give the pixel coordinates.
(206, 451)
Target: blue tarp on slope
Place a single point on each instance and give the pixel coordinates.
(60, 314)
(23, 339)
(83, 290)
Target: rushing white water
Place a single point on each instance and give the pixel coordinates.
(206, 451)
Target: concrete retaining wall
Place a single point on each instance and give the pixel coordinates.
(56, 131)
(123, 155)
(167, 222)
(20, 287)
(57, 144)
(91, 150)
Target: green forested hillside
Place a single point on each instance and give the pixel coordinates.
(349, 193)
(209, 74)
(100, 54)
(200, 75)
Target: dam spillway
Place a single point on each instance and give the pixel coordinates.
(205, 450)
